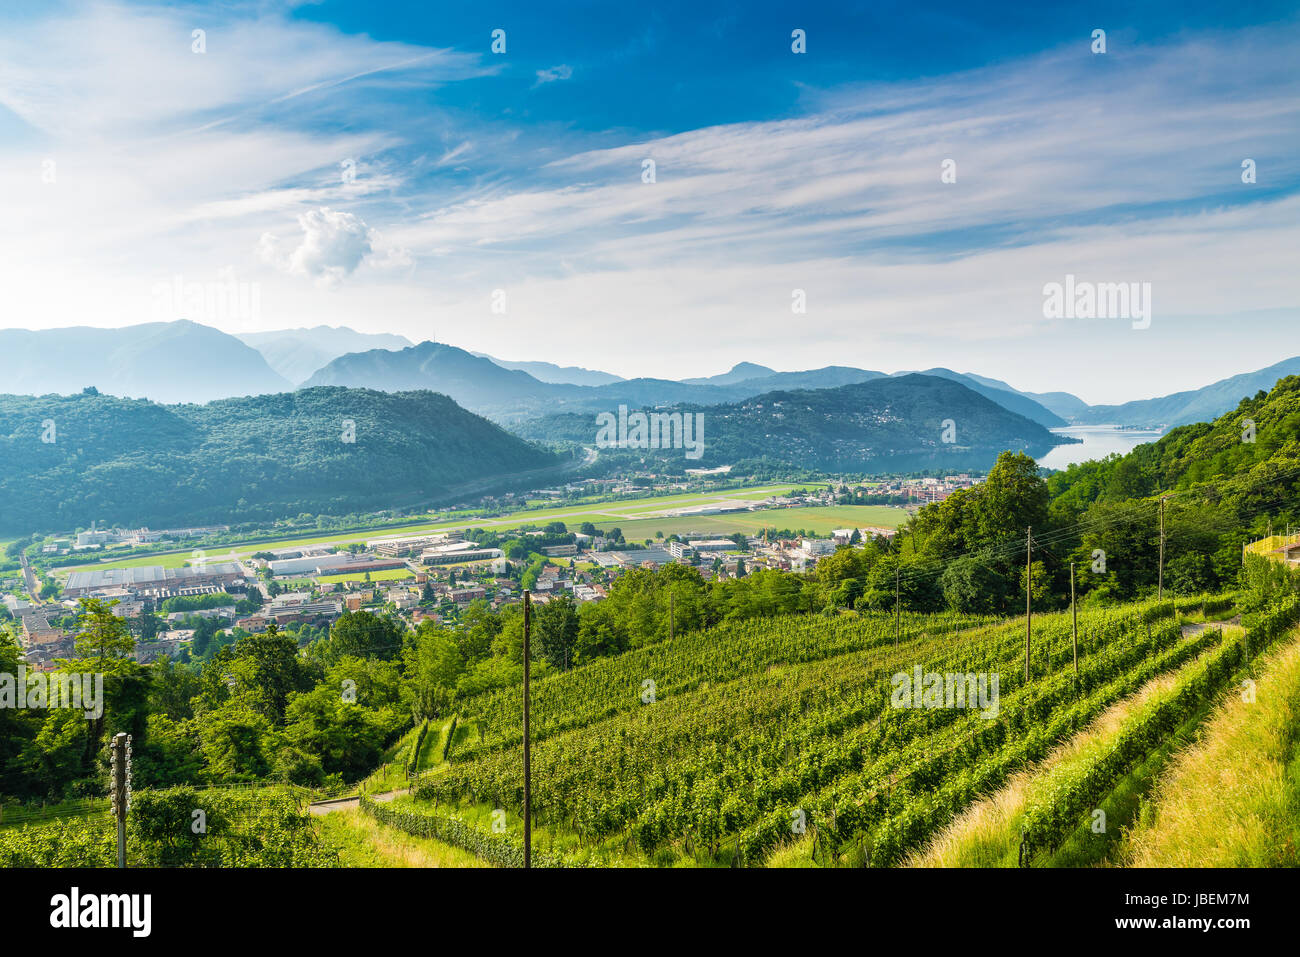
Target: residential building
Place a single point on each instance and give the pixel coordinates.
(314, 613)
(224, 611)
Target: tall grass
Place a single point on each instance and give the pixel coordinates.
(361, 841)
(987, 834)
(1233, 798)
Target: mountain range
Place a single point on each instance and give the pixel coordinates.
(1196, 405)
(550, 372)
(511, 396)
(179, 361)
(184, 361)
(297, 353)
(888, 424)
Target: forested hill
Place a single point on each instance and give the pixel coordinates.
(885, 425)
(66, 461)
(1223, 483)
(1246, 465)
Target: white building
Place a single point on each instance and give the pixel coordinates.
(816, 547)
(713, 545)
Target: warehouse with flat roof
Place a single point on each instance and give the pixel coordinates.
(154, 579)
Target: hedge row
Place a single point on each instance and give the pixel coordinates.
(413, 762)
(451, 736)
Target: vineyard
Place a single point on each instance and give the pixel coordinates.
(726, 745)
(239, 827)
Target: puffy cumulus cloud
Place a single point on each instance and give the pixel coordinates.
(333, 244)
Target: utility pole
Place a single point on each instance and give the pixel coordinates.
(528, 804)
(121, 789)
(898, 610)
(1029, 591)
(1074, 628)
(1160, 581)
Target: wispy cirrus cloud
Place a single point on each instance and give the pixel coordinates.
(554, 74)
(1037, 146)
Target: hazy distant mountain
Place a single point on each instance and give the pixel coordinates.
(512, 396)
(1002, 394)
(297, 353)
(550, 372)
(1063, 404)
(474, 382)
(1196, 405)
(179, 361)
(132, 462)
(829, 377)
(886, 424)
(740, 372)
(504, 395)
(656, 392)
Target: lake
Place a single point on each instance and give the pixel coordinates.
(1099, 441)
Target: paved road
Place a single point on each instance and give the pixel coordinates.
(33, 586)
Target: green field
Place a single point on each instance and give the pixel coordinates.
(606, 514)
(820, 520)
(395, 574)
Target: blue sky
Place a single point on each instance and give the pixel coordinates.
(377, 165)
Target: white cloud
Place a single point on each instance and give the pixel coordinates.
(1119, 168)
(553, 74)
(109, 69)
(332, 246)
(1037, 144)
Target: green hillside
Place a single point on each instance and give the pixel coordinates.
(884, 425)
(135, 462)
(1224, 482)
(725, 745)
(1221, 490)
(1222, 452)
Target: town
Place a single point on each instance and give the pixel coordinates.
(184, 612)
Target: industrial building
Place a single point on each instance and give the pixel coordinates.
(154, 581)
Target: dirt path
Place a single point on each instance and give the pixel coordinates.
(1196, 627)
(341, 804)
